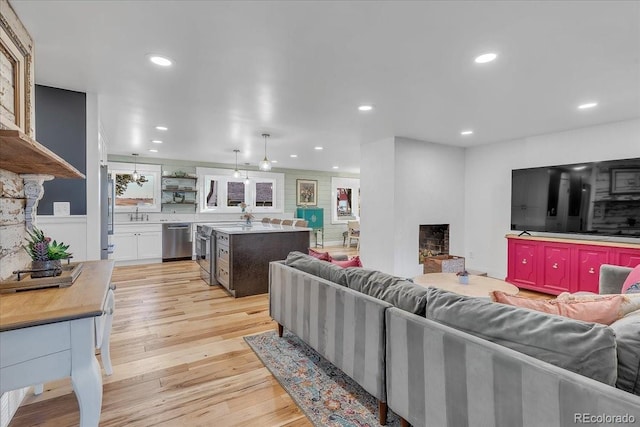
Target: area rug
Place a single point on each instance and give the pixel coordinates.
(326, 395)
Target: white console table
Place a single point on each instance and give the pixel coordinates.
(49, 334)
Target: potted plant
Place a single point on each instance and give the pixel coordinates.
(463, 277)
(46, 255)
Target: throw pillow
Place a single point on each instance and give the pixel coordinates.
(630, 301)
(324, 256)
(353, 262)
(632, 278)
(605, 310)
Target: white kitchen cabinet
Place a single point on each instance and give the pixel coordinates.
(137, 242)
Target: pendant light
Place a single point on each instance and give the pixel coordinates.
(135, 175)
(246, 178)
(265, 164)
(236, 172)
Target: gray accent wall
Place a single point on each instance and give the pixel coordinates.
(61, 126)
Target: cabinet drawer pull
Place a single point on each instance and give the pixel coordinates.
(524, 261)
(555, 265)
(592, 271)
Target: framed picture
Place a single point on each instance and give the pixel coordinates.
(306, 192)
(16, 76)
(625, 181)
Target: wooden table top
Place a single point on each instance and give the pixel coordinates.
(84, 298)
(478, 286)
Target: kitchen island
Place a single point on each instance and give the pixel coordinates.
(241, 254)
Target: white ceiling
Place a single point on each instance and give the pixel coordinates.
(298, 70)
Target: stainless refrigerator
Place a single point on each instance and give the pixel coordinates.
(107, 195)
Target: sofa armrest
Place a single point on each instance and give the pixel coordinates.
(611, 278)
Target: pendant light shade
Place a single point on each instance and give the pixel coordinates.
(135, 175)
(265, 164)
(236, 172)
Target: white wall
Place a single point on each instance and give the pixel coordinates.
(488, 181)
(406, 183)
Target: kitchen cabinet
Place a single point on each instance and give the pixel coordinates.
(553, 265)
(242, 254)
(133, 242)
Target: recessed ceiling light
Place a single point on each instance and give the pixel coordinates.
(153, 150)
(293, 155)
(162, 128)
(156, 141)
(466, 132)
(335, 167)
(486, 57)
(160, 60)
(318, 148)
(274, 161)
(587, 105)
(365, 108)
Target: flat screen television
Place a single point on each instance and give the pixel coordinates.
(598, 198)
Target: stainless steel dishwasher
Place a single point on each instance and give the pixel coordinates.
(176, 242)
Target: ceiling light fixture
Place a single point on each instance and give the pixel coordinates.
(466, 132)
(587, 105)
(365, 107)
(236, 172)
(156, 141)
(153, 150)
(318, 148)
(162, 128)
(293, 156)
(162, 61)
(135, 175)
(335, 167)
(484, 58)
(265, 165)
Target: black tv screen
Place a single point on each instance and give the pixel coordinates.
(590, 198)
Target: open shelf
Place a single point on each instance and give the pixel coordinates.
(22, 154)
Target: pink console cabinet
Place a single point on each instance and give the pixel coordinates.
(554, 265)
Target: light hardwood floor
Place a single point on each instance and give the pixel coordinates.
(179, 358)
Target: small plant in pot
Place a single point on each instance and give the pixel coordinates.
(46, 255)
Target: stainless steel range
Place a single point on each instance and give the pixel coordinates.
(204, 253)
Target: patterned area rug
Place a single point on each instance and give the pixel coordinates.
(326, 395)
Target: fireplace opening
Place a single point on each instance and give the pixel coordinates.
(433, 240)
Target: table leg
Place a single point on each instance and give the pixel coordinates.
(85, 371)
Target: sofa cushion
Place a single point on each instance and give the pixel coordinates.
(605, 310)
(632, 278)
(324, 256)
(588, 349)
(392, 289)
(311, 265)
(627, 332)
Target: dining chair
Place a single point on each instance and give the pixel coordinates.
(266, 220)
(353, 233)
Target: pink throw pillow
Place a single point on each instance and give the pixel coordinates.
(605, 310)
(632, 278)
(324, 256)
(353, 262)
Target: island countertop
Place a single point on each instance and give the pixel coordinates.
(256, 228)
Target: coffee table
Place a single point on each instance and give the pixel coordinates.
(479, 286)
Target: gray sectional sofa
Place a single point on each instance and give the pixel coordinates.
(441, 359)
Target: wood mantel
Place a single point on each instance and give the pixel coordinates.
(23, 155)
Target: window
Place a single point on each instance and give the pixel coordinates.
(143, 194)
(220, 192)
